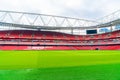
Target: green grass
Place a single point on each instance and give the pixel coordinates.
(59, 65)
(52, 59)
(93, 72)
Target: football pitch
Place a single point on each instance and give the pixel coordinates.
(59, 65)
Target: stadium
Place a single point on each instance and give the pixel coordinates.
(36, 46)
(32, 31)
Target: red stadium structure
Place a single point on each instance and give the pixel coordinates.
(32, 31)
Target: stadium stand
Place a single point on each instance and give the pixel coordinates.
(48, 32)
(46, 40)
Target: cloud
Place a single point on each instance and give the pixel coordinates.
(88, 9)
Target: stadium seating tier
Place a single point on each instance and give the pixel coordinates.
(46, 40)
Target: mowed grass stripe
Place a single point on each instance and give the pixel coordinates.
(52, 59)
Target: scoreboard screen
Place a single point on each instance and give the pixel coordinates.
(91, 31)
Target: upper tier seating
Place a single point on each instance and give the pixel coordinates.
(54, 35)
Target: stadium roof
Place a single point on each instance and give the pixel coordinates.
(50, 22)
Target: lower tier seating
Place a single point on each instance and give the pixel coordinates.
(105, 47)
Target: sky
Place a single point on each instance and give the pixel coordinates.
(83, 9)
